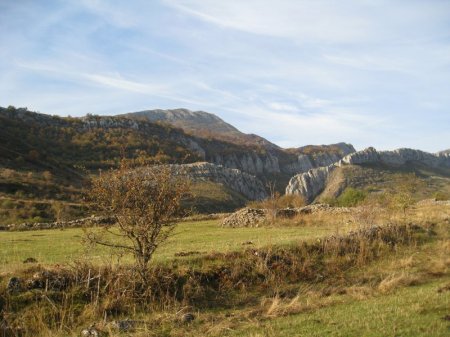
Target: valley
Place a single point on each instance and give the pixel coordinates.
(271, 241)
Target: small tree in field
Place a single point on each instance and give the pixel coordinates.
(144, 203)
(407, 187)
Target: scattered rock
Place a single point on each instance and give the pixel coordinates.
(433, 202)
(14, 284)
(126, 325)
(48, 279)
(29, 226)
(90, 332)
(187, 317)
(30, 260)
(246, 217)
(190, 253)
(254, 217)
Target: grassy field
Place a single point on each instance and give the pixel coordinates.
(412, 311)
(64, 246)
(401, 291)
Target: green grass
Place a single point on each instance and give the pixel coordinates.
(411, 311)
(351, 302)
(64, 246)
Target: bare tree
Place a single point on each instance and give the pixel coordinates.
(144, 203)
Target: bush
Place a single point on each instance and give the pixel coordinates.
(441, 196)
(351, 197)
(278, 202)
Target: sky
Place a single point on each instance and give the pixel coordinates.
(367, 72)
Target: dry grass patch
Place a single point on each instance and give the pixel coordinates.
(395, 281)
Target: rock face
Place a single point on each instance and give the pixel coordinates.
(277, 161)
(248, 162)
(310, 184)
(242, 182)
(397, 157)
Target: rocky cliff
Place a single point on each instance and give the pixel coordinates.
(310, 184)
(246, 184)
(285, 162)
(397, 157)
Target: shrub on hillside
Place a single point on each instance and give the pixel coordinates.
(441, 196)
(351, 197)
(279, 202)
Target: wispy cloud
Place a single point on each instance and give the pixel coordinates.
(295, 71)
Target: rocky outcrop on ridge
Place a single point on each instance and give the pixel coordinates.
(310, 184)
(246, 184)
(279, 162)
(397, 157)
(235, 150)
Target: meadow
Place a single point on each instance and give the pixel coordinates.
(301, 277)
(65, 246)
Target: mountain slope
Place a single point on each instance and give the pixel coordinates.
(202, 124)
(46, 157)
(98, 141)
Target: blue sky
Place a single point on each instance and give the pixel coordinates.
(368, 72)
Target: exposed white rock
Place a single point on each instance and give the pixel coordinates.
(310, 184)
(242, 182)
(397, 157)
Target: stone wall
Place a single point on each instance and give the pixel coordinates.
(85, 222)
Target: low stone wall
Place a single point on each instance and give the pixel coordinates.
(256, 217)
(433, 202)
(246, 217)
(30, 226)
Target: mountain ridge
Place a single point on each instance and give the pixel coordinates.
(200, 123)
(310, 184)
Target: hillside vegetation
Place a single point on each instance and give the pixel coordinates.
(47, 160)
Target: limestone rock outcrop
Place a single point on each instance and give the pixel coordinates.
(397, 157)
(311, 183)
(246, 184)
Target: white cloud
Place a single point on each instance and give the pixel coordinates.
(297, 72)
(299, 20)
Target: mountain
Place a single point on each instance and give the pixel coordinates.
(200, 123)
(374, 170)
(46, 158)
